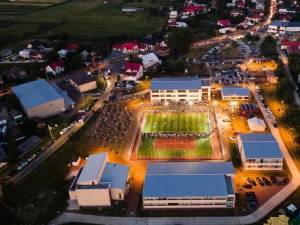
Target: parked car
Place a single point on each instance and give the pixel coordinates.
(266, 181)
(259, 181)
(251, 181)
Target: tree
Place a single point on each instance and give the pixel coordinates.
(285, 90)
(268, 47)
(294, 65)
(180, 40)
(73, 61)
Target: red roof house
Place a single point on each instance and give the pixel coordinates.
(128, 47)
(286, 43)
(72, 47)
(224, 23)
(55, 67)
(194, 9)
(132, 71)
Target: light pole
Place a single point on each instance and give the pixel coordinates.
(50, 131)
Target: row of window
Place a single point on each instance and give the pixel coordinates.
(190, 198)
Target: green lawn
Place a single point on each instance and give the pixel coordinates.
(147, 151)
(177, 122)
(91, 19)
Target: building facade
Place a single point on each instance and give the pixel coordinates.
(235, 94)
(99, 183)
(180, 90)
(189, 185)
(260, 151)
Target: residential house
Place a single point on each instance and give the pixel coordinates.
(127, 48)
(63, 53)
(132, 71)
(224, 23)
(25, 54)
(150, 60)
(192, 10)
(55, 68)
(82, 81)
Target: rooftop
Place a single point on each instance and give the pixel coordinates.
(35, 93)
(80, 78)
(92, 169)
(185, 185)
(189, 168)
(235, 91)
(116, 175)
(178, 83)
(260, 145)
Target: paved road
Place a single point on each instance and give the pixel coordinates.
(59, 142)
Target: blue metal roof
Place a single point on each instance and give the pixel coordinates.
(178, 84)
(116, 175)
(293, 24)
(260, 146)
(184, 185)
(235, 91)
(190, 168)
(35, 93)
(279, 23)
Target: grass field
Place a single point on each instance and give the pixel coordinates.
(177, 122)
(91, 19)
(147, 151)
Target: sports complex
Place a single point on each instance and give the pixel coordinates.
(175, 136)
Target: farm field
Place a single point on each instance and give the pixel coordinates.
(170, 149)
(8, 11)
(92, 19)
(177, 122)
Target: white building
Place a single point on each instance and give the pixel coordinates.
(256, 124)
(149, 60)
(235, 93)
(177, 185)
(25, 53)
(260, 151)
(282, 27)
(180, 90)
(99, 183)
(39, 99)
(82, 82)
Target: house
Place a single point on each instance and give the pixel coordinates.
(259, 151)
(179, 185)
(260, 4)
(55, 68)
(82, 81)
(287, 10)
(180, 90)
(35, 44)
(132, 71)
(128, 9)
(37, 55)
(248, 109)
(224, 23)
(39, 99)
(235, 93)
(127, 48)
(277, 26)
(63, 53)
(99, 182)
(28, 145)
(84, 54)
(3, 158)
(150, 60)
(173, 14)
(25, 54)
(72, 47)
(192, 10)
(292, 27)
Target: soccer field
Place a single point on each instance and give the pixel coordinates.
(148, 150)
(177, 122)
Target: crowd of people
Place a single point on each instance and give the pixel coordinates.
(112, 124)
(179, 107)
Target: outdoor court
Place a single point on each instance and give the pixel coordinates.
(175, 149)
(185, 122)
